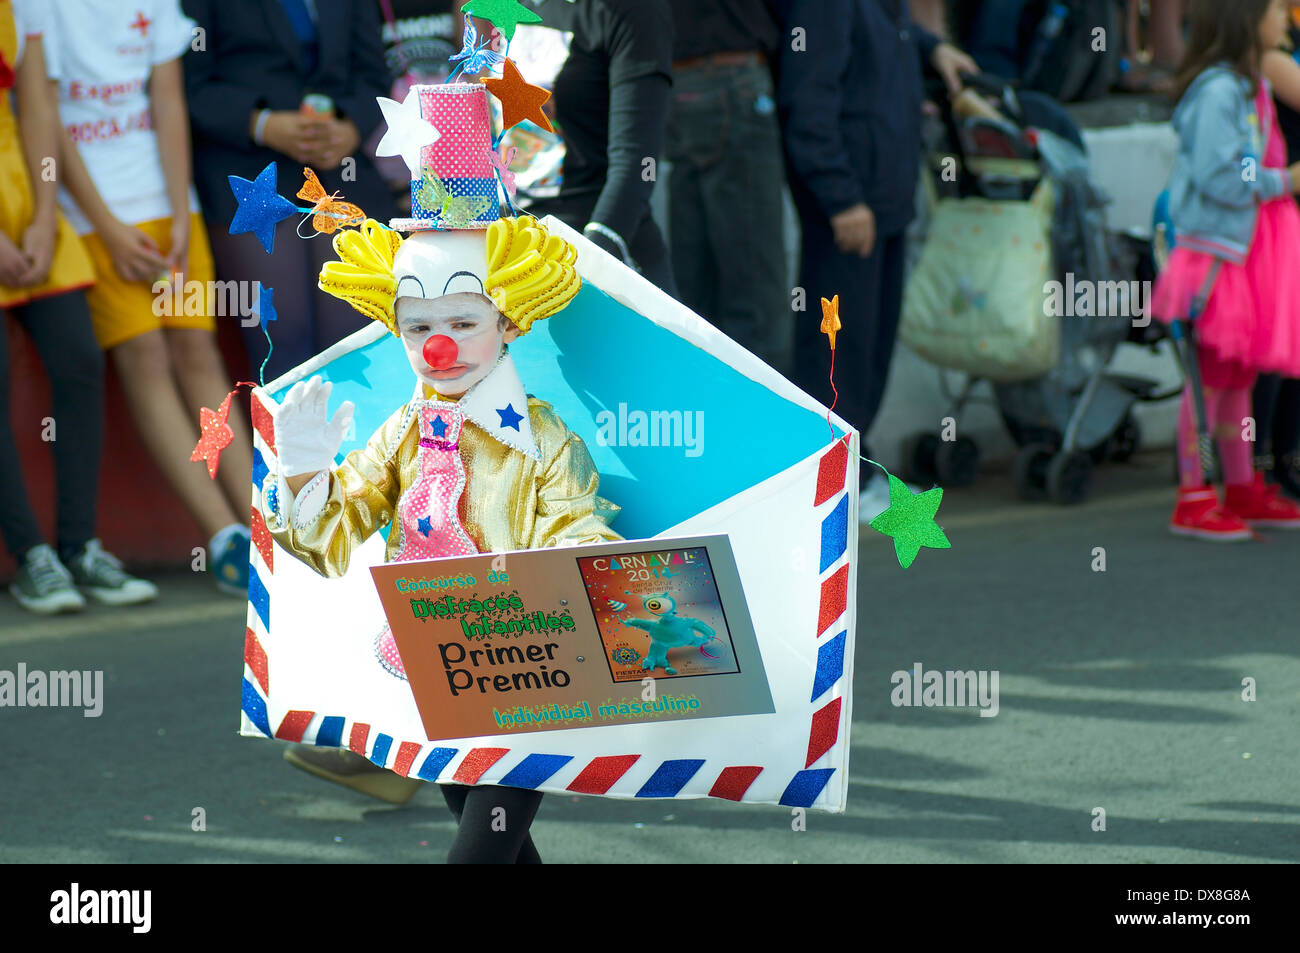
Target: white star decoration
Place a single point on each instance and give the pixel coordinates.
(408, 132)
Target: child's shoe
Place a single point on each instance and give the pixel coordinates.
(1258, 504)
(228, 559)
(353, 771)
(1198, 514)
(44, 585)
(101, 574)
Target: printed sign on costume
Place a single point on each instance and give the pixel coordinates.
(542, 647)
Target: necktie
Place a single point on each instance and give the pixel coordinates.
(428, 514)
(304, 27)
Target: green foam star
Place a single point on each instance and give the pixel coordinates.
(505, 15)
(910, 521)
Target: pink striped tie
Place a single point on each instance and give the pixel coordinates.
(428, 512)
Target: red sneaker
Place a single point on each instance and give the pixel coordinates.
(1258, 504)
(1199, 515)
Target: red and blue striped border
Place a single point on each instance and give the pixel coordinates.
(532, 770)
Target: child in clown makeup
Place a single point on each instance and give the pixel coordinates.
(453, 341)
(469, 464)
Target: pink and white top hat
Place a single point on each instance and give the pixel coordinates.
(456, 187)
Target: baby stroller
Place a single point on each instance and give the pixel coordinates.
(1062, 406)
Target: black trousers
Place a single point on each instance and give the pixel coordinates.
(871, 299)
(494, 824)
(1277, 416)
(65, 340)
(646, 245)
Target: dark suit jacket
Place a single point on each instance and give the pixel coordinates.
(851, 107)
(252, 60)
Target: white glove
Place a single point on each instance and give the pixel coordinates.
(306, 441)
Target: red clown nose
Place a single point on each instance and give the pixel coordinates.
(440, 352)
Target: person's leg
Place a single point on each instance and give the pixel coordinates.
(1234, 449)
(1286, 437)
(1264, 404)
(824, 273)
(455, 795)
(743, 196)
(1286, 422)
(891, 252)
(695, 142)
(1133, 29)
(494, 823)
(18, 523)
(690, 252)
(1247, 494)
(61, 329)
(201, 377)
(1190, 473)
(1167, 44)
(289, 272)
(168, 429)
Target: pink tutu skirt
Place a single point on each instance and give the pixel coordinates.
(1252, 316)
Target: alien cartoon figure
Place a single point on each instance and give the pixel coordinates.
(668, 631)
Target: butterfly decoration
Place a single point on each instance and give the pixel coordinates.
(503, 167)
(473, 57)
(329, 213)
(452, 211)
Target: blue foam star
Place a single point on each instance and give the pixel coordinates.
(426, 525)
(265, 305)
(438, 426)
(260, 206)
(508, 416)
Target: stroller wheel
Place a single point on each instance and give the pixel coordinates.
(1126, 439)
(957, 463)
(1030, 470)
(1069, 477)
(919, 452)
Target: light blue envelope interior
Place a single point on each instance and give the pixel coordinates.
(594, 356)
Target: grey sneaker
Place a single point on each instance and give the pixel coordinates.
(101, 574)
(44, 585)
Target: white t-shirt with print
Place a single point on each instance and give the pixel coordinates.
(106, 50)
(32, 18)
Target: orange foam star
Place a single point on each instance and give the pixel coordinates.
(215, 435)
(831, 318)
(520, 99)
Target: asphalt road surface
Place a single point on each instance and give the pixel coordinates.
(1119, 690)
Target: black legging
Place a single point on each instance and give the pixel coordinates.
(1277, 418)
(477, 842)
(65, 340)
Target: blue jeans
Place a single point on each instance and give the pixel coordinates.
(726, 206)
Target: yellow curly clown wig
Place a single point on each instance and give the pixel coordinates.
(530, 273)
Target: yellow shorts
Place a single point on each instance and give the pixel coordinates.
(122, 310)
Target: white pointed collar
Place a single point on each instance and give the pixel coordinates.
(496, 404)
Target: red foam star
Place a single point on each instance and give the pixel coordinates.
(215, 435)
(520, 99)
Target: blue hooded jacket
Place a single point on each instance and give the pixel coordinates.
(1219, 179)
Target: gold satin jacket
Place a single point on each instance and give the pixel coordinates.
(510, 501)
